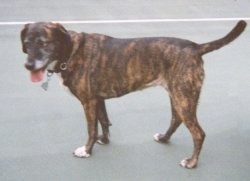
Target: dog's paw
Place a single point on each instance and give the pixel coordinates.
(102, 140)
(81, 152)
(160, 138)
(157, 136)
(188, 163)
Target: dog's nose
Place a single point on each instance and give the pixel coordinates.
(29, 65)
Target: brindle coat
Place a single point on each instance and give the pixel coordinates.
(97, 67)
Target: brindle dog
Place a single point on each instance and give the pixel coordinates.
(97, 67)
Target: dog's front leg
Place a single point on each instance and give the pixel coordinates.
(91, 110)
(105, 123)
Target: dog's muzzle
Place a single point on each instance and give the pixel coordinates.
(35, 65)
(52, 66)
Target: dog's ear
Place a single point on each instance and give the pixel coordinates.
(64, 37)
(23, 34)
(63, 34)
(61, 28)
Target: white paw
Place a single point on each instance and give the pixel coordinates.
(157, 137)
(100, 142)
(81, 152)
(184, 163)
(189, 163)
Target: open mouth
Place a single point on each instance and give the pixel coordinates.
(37, 72)
(37, 76)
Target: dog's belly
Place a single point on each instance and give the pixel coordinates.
(122, 87)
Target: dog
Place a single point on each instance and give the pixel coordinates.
(96, 67)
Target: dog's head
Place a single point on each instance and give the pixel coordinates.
(46, 44)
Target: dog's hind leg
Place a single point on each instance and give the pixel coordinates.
(185, 103)
(175, 123)
(184, 89)
(198, 138)
(105, 123)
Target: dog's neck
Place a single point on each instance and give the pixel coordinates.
(69, 49)
(64, 67)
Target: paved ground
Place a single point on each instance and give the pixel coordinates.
(39, 129)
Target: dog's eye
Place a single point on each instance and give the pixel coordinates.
(27, 44)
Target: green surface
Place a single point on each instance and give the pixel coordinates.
(39, 130)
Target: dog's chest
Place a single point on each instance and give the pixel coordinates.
(61, 83)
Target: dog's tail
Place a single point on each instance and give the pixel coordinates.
(214, 45)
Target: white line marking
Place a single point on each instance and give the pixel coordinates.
(132, 21)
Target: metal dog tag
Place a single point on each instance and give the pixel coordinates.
(45, 85)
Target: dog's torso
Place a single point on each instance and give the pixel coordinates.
(108, 67)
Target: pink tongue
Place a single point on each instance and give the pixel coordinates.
(37, 76)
